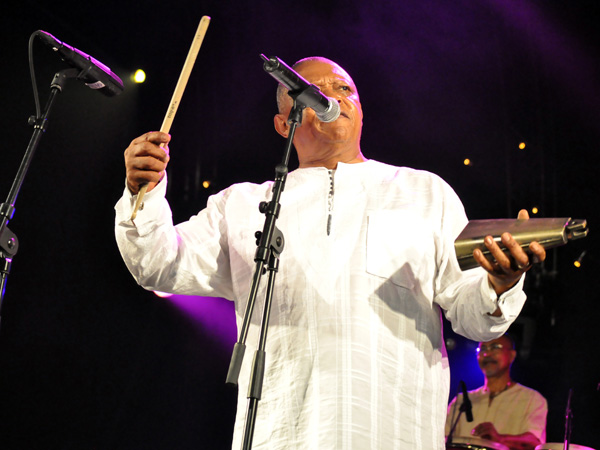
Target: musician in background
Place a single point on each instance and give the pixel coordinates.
(504, 411)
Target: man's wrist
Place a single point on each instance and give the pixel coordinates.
(501, 286)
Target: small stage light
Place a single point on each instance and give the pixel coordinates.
(139, 76)
(577, 262)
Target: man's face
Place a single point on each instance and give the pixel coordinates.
(314, 136)
(495, 357)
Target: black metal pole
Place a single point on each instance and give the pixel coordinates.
(9, 243)
(270, 245)
(258, 365)
(271, 210)
(568, 422)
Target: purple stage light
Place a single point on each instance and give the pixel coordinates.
(214, 315)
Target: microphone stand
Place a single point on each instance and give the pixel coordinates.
(270, 244)
(9, 243)
(568, 421)
(462, 409)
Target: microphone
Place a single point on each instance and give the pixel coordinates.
(327, 109)
(93, 73)
(466, 405)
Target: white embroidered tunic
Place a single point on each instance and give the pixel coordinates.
(355, 357)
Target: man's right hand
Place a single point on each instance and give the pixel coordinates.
(146, 159)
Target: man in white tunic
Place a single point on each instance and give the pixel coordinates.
(355, 357)
(503, 411)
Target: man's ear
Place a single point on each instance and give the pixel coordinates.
(281, 125)
(513, 356)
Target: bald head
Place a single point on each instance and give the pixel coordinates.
(282, 91)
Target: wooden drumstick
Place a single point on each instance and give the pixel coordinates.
(176, 99)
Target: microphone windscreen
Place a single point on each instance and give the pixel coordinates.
(331, 113)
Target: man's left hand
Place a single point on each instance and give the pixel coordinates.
(506, 270)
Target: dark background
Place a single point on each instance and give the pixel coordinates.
(88, 360)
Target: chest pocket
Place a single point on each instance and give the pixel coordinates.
(400, 248)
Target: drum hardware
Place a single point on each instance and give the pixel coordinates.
(474, 443)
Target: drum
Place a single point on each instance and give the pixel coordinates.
(561, 446)
(474, 443)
